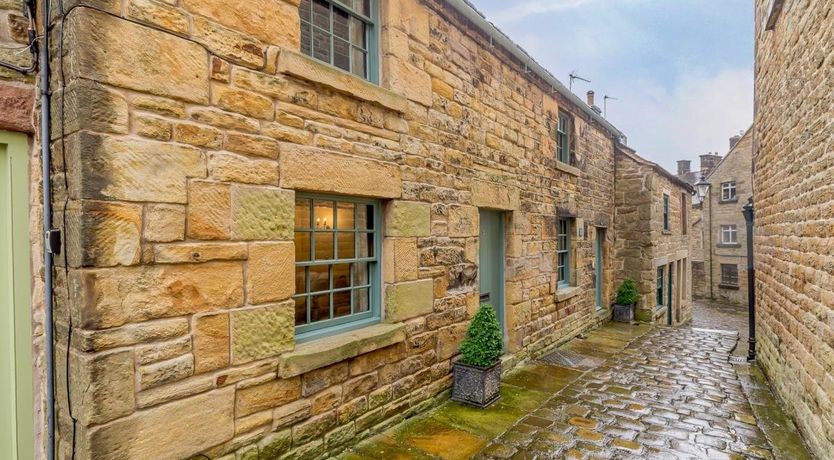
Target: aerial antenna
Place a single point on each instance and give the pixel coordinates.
(574, 76)
(605, 104)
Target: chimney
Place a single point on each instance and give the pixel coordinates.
(683, 167)
(734, 140)
(709, 162)
(591, 98)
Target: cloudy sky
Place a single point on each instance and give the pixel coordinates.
(682, 70)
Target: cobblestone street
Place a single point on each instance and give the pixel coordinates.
(719, 316)
(626, 392)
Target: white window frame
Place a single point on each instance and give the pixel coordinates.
(728, 191)
(729, 234)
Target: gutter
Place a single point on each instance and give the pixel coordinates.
(468, 10)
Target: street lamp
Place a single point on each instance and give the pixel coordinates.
(749, 216)
(702, 187)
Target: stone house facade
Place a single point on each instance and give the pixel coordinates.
(653, 237)
(724, 228)
(273, 247)
(794, 206)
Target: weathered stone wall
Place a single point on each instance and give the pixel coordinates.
(189, 127)
(794, 200)
(736, 167)
(642, 244)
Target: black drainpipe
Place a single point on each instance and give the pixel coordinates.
(749, 217)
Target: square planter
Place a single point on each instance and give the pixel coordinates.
(623, 313)
(476, 386)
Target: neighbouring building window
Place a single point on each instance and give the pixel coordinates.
(729, 274)
(728, 191)
(666, 212)
(341, 33)
(563, 251)
(729, 234)
(684, 213)
(563, 129)
(659, 288)
(336, 263)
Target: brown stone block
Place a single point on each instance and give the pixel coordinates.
(463, 221)
(274, 22)
(209, 210)
(263, 332)
(401, 260)
(111, 50)
(319, 379)
(262, 213)
(201, 136)
(93, 106)
(161, 351)
(449, 339)
(162, 106)
(103, 385)
(289, 414)
(211, 342)
(271, 272)
(259, 82)
(267, 395)
(152, 127)
(404, 78)
(408, 15)
(180, 253)
(115, 296)
(235, 168)
(492, 195)
(243, 102)
(156, 374)
(164, 223)
(228, 43)
(408, 300)
(159, 14)
(103, 234)
(181, 428)
(252, 145)
(225, 120)
(313, 428)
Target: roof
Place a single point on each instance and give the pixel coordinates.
(467, 9)
(631, 153)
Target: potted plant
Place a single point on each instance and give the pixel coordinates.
(476, 375)
(625, 301)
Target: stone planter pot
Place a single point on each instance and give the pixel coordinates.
(623, 313)
(476, 386)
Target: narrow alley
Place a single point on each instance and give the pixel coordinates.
(622, 391)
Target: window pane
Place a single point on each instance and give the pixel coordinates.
(366, 245)
(365, 217)
(302, 213)
(357, 33)
(324, 245)
(345, 215)
(319, 278)
(305, 9)
(359, 63)
(300, 280)
(341, 276)
(323, 215)
(306, 39)
(300, 310)
(360, 274)
(341, 303)
(341, 24)
(364, 6)
(321, 45)
(341, 54)
(302, 246)
(347, 245)
(320, 307)
(321, 14)
(361, 300)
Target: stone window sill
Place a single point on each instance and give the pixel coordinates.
(732, 287)
(567, 169)
(323, 352)
(307, 68)
(667, 232)
(728, 245)
(734, 200)
(567, 292)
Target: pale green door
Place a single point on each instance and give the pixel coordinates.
(491, 262)
(16, 401)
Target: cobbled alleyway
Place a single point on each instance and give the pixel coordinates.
(621, 392)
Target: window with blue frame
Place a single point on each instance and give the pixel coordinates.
(563, 251)
(563, 130)
(342, 33)
(336, 264)
(666, 212)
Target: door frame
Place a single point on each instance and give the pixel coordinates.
(670, 295)
(500, 310)
(16, 421)
(599, 272)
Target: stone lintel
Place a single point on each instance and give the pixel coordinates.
(491, 195)
(307, 68)
(330, 350)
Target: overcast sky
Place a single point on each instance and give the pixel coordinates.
(682, 70)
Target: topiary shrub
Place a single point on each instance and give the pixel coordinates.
(627, 293)
(483, 344)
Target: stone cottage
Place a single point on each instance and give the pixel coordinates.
(723, 224)
(653, 237)
(793, 198)
(277, 219)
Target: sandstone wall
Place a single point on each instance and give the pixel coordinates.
(188, 129)
(794, 200)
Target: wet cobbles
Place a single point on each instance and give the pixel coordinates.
(670, 394)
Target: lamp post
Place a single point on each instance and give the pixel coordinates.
(702, 187)
(749, 217)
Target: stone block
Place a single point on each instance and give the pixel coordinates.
(177, 390)
(197, 135)
(267, 395)
(131, 334)
(259, 82)
(449, 339)
(407, 219)
(463, 221)
(18, 102)
(90, 105)
(211, 342)
(273, 22)
(156, 374)
(275, 444)
(227, 43)
(229, 167)
(181, 429)
(164, 223)
(115, 296)
(198, 252)
(319, 379)
(243, 102)
(313, 169)
(313, 428)
(410, 16)
(159, 14)
(152, 127)
(161, 351)
(271, 272)
(290, 414)
(209, 210)
(493, 195)
(252, 145)
(110, 50)
(263, 332)
(408, 300)
(225, 120)
(127, 169)
(404, 78)
(262, 213)
(402, 262)
(103, 234)
(159, 105)
(103, 385)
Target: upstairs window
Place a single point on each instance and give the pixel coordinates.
(563, 130)
(342, 33)
(729, 274)
(728, 191)
(666, 212)
(563, 252)
(336, 264)
(729, 234)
